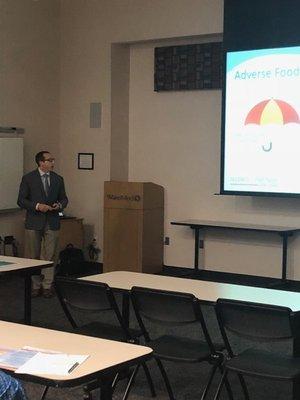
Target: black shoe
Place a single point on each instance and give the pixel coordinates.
(48, 293)
(36, 292)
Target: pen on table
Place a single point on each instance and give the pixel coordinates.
(73, 367)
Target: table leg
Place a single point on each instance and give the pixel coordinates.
(106, 390)
(196, 258)
(27, 299)
(125, 308)
(284, 236)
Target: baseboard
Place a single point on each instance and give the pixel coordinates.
(229, 277)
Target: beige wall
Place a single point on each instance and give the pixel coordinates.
(57, 59)
(29, 82)
(88, 30)
(119, 141)
(174, 140)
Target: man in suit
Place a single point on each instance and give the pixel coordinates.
(42, 193)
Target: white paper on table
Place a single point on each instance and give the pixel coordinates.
(13, 359)
(51, 364)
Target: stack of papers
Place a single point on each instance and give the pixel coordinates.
(40, 362)
(13, 359)
(4, 263)
(51, 364)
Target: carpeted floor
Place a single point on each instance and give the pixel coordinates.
(187, 380)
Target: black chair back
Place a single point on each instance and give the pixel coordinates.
(257, 322)
(168, 308)
(94, 298)
(87, 297)
(260, 321)
(169, 321)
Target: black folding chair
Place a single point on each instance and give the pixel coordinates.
(259, 323)
(83, 299)
(158, 310)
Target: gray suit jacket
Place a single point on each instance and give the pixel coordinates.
(32, 192)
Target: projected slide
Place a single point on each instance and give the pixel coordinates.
(262, 124)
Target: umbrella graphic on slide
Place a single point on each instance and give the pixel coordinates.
(272, 111)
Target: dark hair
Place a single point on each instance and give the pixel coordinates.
(40, 156)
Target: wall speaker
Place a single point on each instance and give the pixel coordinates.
(95, 115)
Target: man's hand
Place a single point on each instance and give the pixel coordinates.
(44, 208)
(55, 207)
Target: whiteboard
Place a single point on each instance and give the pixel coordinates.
(11, 171)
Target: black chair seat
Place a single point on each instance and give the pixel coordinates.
(180, 349)
(262, 363)
(106, 331)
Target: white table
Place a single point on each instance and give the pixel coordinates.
(205, 291)
(283, 231)
(24, 267)
(105, 356)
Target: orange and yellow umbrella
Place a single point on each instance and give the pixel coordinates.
(272, 111)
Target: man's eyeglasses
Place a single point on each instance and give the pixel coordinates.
(49, 159)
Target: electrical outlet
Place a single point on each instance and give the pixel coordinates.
(167, 241)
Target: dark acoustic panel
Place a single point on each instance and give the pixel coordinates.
(188, 67)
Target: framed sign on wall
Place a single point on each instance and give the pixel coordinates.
(86, 161)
